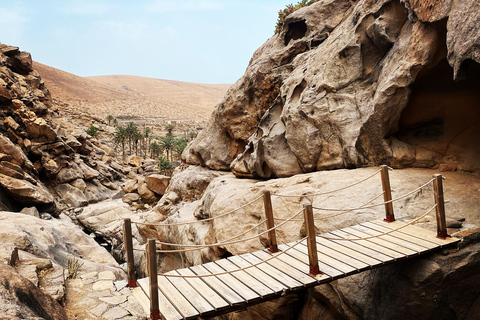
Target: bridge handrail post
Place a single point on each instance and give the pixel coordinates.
(153, 280)
(387, 194)
(272, 238)
(440, 206)
(128, 243)
(311, 240)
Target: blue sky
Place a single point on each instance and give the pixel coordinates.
(208, 41)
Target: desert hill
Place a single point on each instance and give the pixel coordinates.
(133, 96)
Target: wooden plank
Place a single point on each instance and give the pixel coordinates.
(251, 282)
(279, 263)
(204, 290)
(398, 234)
(176, 298)
(349, 252)
(401, 251)
(369, 244)
(417, 231)
(141, 298)
(166, 308)
(339, 255)
(195, 299)
(302, 256)
(359, 246)
(401, 242)
(334, 263)
(280, 276)
(258, 274)
(232, 282)
(218, 286)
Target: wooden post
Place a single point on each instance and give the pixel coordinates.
(440, 209)
(127, 235)
(387, 194)
(272, 238)
(152, 275)
(311, 240)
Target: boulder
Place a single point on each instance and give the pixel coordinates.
(157, 183)
(130, 197)
(71, 195)
(79, 184)
(145, 193)
(32, 211)
(25, 192)
(88, 173)
(130, 186)
(70, 173)
(134, 161)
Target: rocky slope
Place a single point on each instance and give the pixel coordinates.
(131, 96)
(352, 83)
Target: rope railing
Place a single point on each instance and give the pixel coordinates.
(381, 203)
(223, 243)
(383, 233)
(326, 192)
(276, 255)
(337, 214)
(201, 220)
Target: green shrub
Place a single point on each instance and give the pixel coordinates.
(92, 131)
(290, 8)
(164, 165)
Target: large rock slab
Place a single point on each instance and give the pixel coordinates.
(157, 183)
(25, 192)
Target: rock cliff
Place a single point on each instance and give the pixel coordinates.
(351, 83)
(47, 161)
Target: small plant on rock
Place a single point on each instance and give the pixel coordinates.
(290, 8)
(165, 166)
(72, 266)
(92, 131)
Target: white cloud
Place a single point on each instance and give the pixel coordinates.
(161, 6)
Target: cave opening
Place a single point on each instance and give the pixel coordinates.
(442, 116)
(296, 30)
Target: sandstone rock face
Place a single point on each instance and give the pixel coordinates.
(346, 84)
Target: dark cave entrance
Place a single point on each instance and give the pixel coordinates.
(443, 116)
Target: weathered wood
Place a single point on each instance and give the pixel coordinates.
(311, 241)
(340, 256)
(232, 297)
(334, 263)
(272, 238)
(168, 311)
(387, 194)
(245, 292)
(204, 290)
(153, 281)
(251, 282)
(440, 208)
(368, 260)
(400, 235)
(257, 274)
(186, 309)
(127, 235)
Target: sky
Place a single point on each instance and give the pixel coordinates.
(206, 41)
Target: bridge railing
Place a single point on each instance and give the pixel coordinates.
(270, 219)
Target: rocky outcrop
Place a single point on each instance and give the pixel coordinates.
(45, 160)
(353, 83)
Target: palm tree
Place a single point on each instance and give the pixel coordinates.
(170, 127)
(155, 149)
(131, 131)
(180, 145)
(192, 135)
(146, 132)
(167, 143)
(109, 118)
(120, 137)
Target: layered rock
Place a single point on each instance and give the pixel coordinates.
(45, 160)
(346, 84)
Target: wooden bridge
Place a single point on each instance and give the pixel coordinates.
(237, 282)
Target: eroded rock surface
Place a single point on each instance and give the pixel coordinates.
(352, 83)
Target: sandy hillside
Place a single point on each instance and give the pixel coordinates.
(127, 96)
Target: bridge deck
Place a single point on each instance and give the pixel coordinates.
(190, 297)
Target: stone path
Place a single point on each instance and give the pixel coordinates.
(96, 295)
